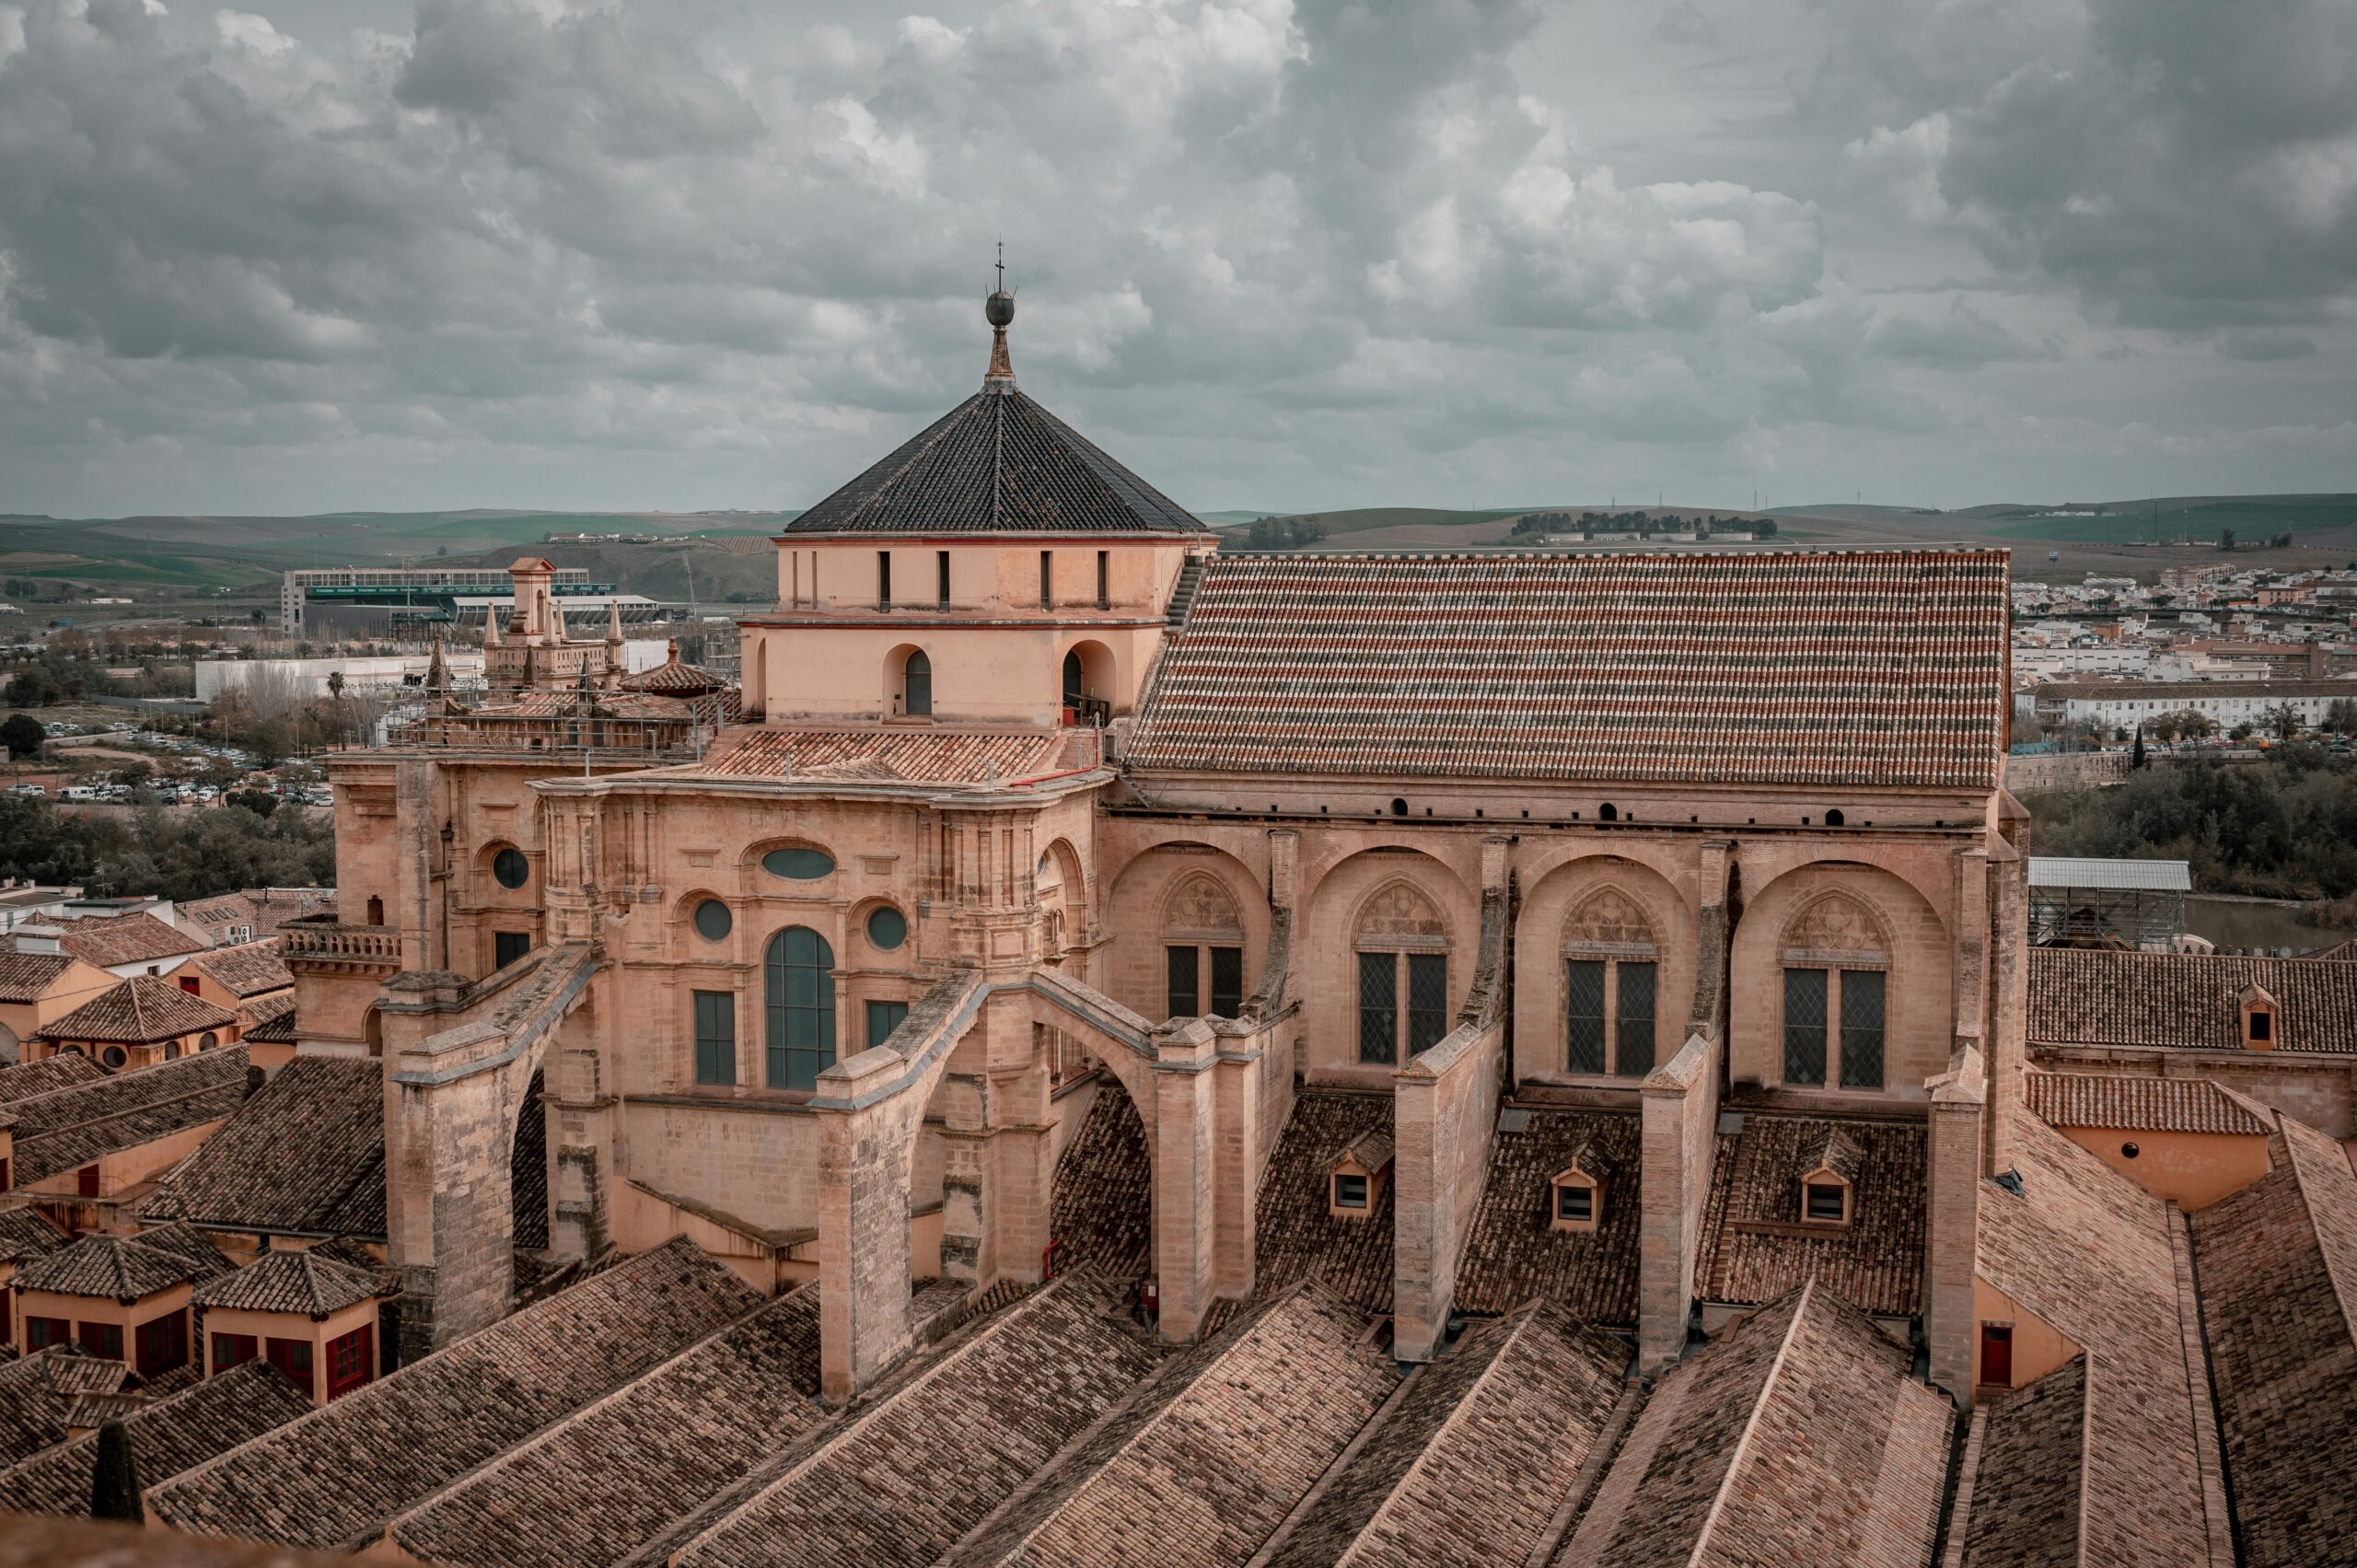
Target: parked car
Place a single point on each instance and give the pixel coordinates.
(26, 789)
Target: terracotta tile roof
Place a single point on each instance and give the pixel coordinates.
(567, 704)
(1103, 1206)
(1824, 669)
(2082, 996)
(140, 938)
(288, 1280)
(1298, 1235)
(905, 1477)
(260, 911)
(673, 678)
(270, 1019)
(648, 1452)
(28, 1233)
(143, 1010)
(334, 1477)
(88, 1411)
(24, 976)
(888, 755)
(1469, 1467)
(27, 1079)
(1514, 1255)
(1755, 1247)
(2143, 1105)
(305, 1156)
(249, 969)
(2025, 1489)
(2278, 1291)
(2090, 1253)
(69, 1128)
(167, 1437)
(1277, 1399)
(997, 463)
(1798, 1437)
(34, 1392)
(124, 1268)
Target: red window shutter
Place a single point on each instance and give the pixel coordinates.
(232, 1350)
(351, 1359)
(86, 1181)
(42, 1333)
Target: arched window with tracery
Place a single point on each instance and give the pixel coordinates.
(1401, 946)
(1836, 970)
(1203, 949)
(798, 985)
(1611, 979)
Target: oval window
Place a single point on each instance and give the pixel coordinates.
(887, 928)
(113, 1056)
(510, 868)
(713, 919)
(801, 865)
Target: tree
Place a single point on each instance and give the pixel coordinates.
(2283, 720)
(22, 735)
(2136, 757)
(335, 683)
(2226, 538)
(2340, 716)
(2240, 732)
(114, 1482)
(2187, 724)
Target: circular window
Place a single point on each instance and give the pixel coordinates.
(713, 919)
(113, 1056)
(510, 868)
(887, 928)
(800, 865)
(2130, 1150)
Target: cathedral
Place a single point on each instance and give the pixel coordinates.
(1211, 1057)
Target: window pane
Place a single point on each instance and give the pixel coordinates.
(1379, 1007)
(715, 1036)
(798, 1038)
(506, 946)
(1862, 1012)
(1805, 1026)
(1583, 989)
(1632, 1033)
(1427, 1000)
(1180, 990)
(883, 1017)
(1227, 981)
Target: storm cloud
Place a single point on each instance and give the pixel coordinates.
(360, 254)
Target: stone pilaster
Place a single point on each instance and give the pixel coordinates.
(1952, 1196)
(1186, 1175)
(864, 1155)
(1678, 1137)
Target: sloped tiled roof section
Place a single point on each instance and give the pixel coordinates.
(2143, 1104)
(648, 1452)
(893, 756)
(137, 939)
(289, 1280)
(1298, 1235)
(1755, 1247)
(33, 1392)
(68, 1127)
(332, 1479)
(142, 1010)
(248, 968)
(1514, 1254)
(305, 1156)
(50, 1074)
(2025, 1500)
(24, 976)
(997, 463)
(2186, 1001)
(2278, 1286)
(28, 1233)
(1469, 1467)
(124, 1268)
(1798, 1437)
(1277, 1399)
(1861, 668)
(167, 1437)
(908, 1475)
(1103, 1202)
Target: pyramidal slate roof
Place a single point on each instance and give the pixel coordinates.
(997, 463)
(1861, 668)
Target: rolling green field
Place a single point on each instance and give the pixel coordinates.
(2254, 521)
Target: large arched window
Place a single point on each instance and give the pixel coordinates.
(1610, 977)
(1835, 965)
(1202, 950)
(1401, 945)
(799, 990)
(916, 683)
(1074, 683)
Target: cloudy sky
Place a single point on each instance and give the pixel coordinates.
(405, 254)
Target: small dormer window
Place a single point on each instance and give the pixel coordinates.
(1828, 1179)
(1828, 1202)
(1577, 1192)
(1354, 1181)
(2262, 1026)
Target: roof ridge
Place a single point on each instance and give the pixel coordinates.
(1720, 1494)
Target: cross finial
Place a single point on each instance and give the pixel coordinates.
(1001, 263)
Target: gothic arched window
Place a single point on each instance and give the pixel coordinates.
(1612, 972)
(1203, 949)
(1401, 945)
(1836, 966)
(800, 992)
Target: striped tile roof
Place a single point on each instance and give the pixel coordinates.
(2143, 1105)
(894, 755)
(249, 969)
(136, 938)
(25, 976)
(1866, 668)
(2085, 996)
(142, 1010)
(997, 463)
(290, 1280)
(123, 1267)
(72, 1127)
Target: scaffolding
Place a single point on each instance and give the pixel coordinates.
(2078, 902)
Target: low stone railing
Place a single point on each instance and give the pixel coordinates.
(337, 942)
